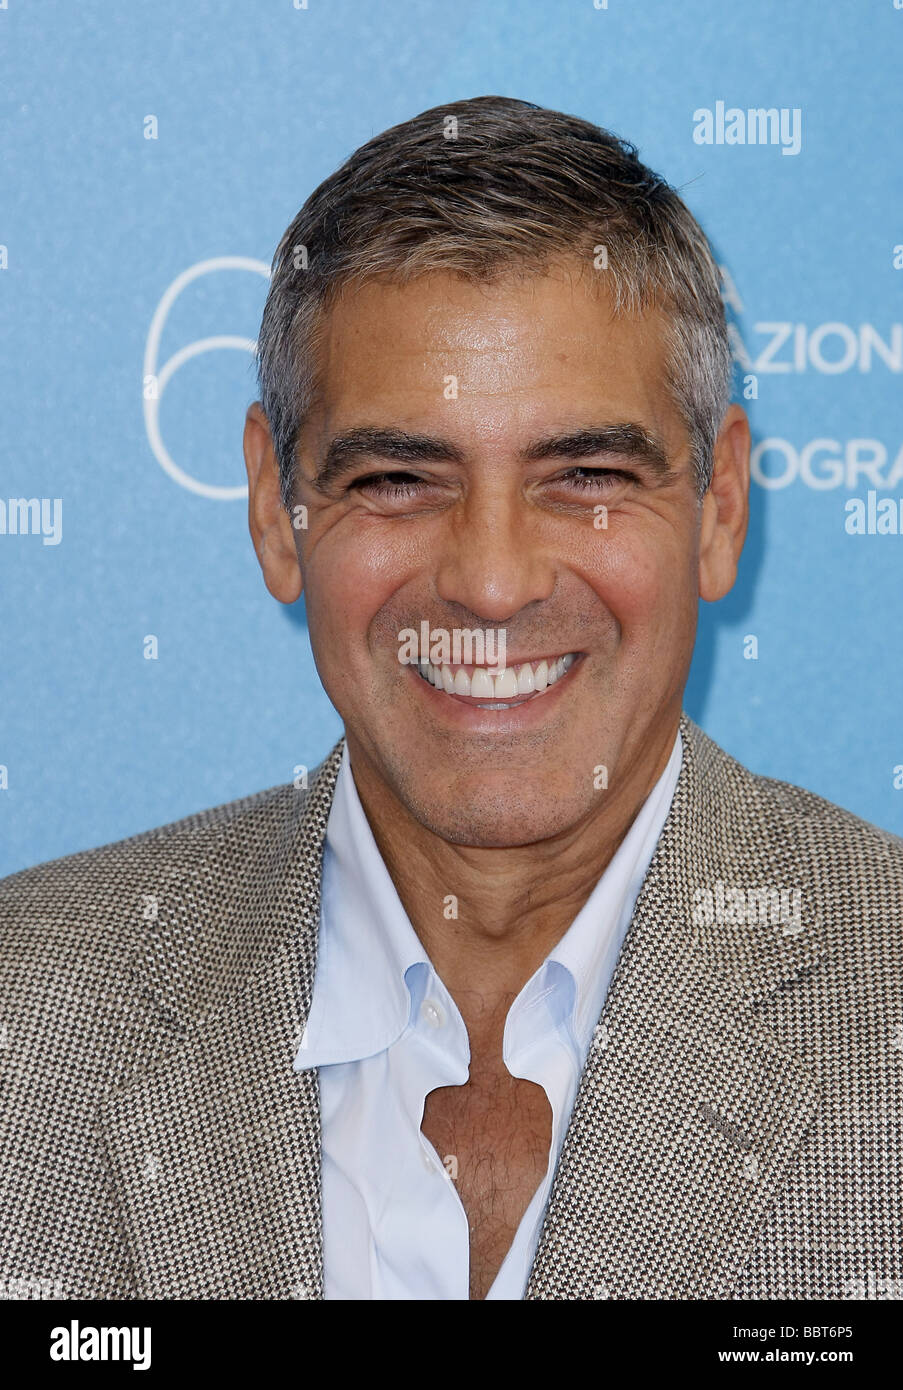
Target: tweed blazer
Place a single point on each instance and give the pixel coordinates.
(736, 1133)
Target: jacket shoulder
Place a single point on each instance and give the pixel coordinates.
(776, 807)
(771, 834)
(95, 904)
(96, 884)
(841, 840)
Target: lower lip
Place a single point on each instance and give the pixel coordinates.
(516, 717)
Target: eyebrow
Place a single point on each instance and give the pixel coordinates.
(627, 439)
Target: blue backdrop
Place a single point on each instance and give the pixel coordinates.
(152, 156)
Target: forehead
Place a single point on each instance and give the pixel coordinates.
(520, 349)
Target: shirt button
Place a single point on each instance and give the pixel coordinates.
(428, 1163)
(432, 1013)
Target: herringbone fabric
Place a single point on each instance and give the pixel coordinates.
(737, 1133)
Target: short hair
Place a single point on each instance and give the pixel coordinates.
(481, 187)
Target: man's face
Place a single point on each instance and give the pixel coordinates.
(463, 516)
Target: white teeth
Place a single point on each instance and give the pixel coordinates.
(527, 679)
(525, 683)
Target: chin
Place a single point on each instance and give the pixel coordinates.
(491, 820)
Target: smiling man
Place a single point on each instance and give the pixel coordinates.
(533, 991)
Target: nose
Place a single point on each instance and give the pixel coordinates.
(491, 561)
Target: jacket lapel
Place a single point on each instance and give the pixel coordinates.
(689, 1112)
(215, 1141)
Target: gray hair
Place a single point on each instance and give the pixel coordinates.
(482, 187)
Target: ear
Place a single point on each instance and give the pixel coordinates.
(268, 521)
(725, 507)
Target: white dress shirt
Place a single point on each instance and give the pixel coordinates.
(384, 1032)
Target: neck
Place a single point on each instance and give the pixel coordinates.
(510, 906)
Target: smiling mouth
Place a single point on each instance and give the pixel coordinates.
(512, 686)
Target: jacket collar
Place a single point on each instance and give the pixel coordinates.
(684, 1126)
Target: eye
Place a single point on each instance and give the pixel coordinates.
(593, 479)
(390, 485)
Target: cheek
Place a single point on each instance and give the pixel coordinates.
(642, 576)
(351, 573)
